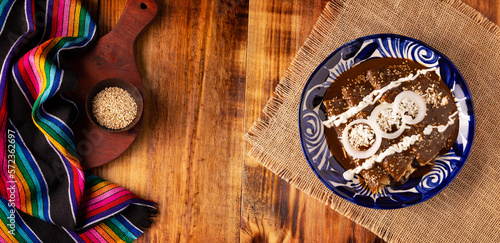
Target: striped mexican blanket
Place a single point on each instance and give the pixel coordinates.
(45, 194)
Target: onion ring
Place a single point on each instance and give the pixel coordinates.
(374, 115)
(419, 102)
(357, 153)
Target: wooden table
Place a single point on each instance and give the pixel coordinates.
(208, 69)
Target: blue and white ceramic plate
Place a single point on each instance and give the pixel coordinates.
(311, 116)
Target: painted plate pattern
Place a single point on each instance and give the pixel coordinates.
(311, 116)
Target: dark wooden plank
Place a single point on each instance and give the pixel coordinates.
(194, 64)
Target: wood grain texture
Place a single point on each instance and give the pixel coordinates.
(208, 68)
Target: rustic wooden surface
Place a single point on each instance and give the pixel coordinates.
(208, 69)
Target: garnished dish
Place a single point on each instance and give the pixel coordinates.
(392, 117)
(386, 121)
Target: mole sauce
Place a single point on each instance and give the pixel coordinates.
(335, 92)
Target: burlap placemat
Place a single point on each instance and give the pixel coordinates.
(468, 210)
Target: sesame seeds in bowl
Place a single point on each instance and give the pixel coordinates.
(114, 105)
(114, 108)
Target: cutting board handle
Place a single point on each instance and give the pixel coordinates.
(135, 17)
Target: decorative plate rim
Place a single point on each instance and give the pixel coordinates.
(469, 108)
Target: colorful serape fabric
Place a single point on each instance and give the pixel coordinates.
(45, 194)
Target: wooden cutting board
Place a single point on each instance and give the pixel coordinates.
(112, 57)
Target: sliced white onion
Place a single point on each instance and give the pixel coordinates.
(374, 115)
(358, 153)
(419, 102)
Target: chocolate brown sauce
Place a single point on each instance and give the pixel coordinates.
(433, 115)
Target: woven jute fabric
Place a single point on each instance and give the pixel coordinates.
(468, 210)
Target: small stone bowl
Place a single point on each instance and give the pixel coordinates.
(120, 83)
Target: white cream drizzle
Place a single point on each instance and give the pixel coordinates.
(397, 148)
(372, 98)
(441, 128)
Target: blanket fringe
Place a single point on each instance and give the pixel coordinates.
(147, 221)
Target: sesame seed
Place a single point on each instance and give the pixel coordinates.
(114, 108)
